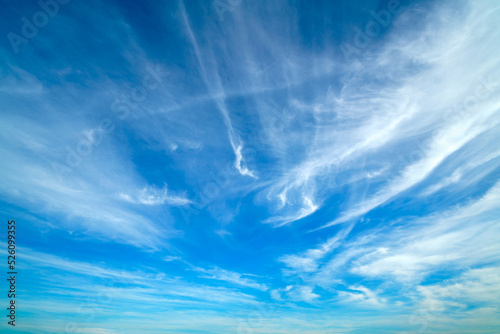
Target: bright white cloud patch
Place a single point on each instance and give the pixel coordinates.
(154, 196)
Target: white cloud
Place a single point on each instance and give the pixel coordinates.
(231, 277)
(302, 293)
(390, 102)
(448, 239)
(210, 76)
(155, 196)
(361, 294)
(126, 285)
(308, 261)
(308, 208)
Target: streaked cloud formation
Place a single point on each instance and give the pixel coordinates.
(173, 171)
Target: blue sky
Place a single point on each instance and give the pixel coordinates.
(252, 166)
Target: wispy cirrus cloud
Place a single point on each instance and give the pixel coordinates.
(230, 277)
(209, 73)
(408, 254)
(154, 196)
(323, 194)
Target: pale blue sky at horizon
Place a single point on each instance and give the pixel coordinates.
(237, 166)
